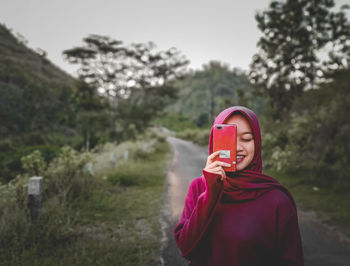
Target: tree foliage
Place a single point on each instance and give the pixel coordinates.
(296, 34)
(118, 70)
(204, 93)
(315, 141)
(136, 79)
(90, 114)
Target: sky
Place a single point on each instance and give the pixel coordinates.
(204, 30)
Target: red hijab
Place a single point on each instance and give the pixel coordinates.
(249, 183)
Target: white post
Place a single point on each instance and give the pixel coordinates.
(112, 159)
(35, 196)
(126, 155)
(90, 168)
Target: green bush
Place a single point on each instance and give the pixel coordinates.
(65, 181)
(175, 122)
(112, 218)
(10, 158)
(67, 174)
(125, 178)
(315, 138)
(198, 136)
(132, 172)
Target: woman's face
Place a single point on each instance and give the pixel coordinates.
(245, 141)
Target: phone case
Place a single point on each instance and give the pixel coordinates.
(224, 140)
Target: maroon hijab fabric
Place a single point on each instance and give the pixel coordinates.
(249, 183)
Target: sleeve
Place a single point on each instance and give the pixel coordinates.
(197, 213)
(289, 239)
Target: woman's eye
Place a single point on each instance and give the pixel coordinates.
(247, 139)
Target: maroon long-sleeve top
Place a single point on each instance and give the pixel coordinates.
(249, 221)
(263, 231)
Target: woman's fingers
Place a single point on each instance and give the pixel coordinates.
(217, 163)
(217, 170)
(216, 167)
(212, 156)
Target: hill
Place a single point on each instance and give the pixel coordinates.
(34, 92)
(35, 104)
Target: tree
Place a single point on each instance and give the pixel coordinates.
(294, 35)
(204, 93)
(218, 84)
(215, 87)
(91, 113)
(135, 78)
(318, 135)
(118, 70)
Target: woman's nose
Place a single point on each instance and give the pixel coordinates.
(239, 146)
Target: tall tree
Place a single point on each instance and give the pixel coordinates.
(203, 93)
(91, 113)
(294, 35)
(135, 77)
(217, 85)
(117, 69)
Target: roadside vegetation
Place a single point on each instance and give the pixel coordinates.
(329, 206)
(96, 215)
(101, 201)
(199, 136)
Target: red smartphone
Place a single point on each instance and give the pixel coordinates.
(225, 141)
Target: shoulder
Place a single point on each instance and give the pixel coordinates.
(197, 185)
(281, 200)
(284, 207)
(196, 188)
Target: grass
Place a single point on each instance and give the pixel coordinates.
(116, 222)
(331, 206)
(119, 225)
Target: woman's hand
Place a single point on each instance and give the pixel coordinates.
(216, 167)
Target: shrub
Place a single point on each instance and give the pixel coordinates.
(198, 136)
(10, 159)
(65, 181)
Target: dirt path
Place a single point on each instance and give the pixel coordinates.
(189, 160)
(322, 247)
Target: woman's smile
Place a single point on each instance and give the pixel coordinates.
(239, 158)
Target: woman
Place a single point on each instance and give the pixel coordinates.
(242, 218)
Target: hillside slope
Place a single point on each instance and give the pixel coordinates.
(33, 91)
(35, 105)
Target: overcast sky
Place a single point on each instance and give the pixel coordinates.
(203, 30)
